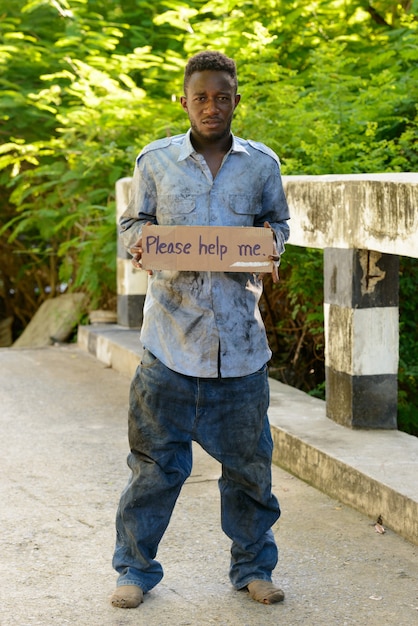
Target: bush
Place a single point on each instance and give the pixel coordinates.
(408, 347)
(293, 314)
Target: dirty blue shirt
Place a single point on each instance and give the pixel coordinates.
(205, 324)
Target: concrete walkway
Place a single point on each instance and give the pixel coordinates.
(62, 467)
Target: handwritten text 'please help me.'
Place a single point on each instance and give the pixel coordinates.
(153, 244)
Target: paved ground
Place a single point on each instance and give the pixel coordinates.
(62, 467)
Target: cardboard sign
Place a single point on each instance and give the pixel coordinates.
(207, 248)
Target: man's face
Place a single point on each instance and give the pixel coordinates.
(210, 103)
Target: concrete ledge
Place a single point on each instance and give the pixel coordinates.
(373, 471)
(114, 345)
(360, 211)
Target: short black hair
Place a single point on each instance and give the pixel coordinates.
(210, 60)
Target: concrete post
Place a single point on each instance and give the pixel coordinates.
(361, 337)
(131, 283)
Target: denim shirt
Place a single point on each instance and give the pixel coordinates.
(205, 324)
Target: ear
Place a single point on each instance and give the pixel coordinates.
(237, 99)
(183, 102)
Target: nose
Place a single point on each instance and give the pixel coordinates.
(211, 105)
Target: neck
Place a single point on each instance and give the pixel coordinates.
(218, 146)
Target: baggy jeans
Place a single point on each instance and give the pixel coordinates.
(228, 418)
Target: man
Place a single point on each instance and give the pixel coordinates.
(203, 374)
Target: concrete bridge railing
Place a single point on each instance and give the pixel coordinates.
(363, 223)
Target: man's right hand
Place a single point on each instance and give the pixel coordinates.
(136, 251)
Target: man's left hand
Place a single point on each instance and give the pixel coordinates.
(275, 257)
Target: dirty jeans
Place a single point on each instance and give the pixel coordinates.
(228, 418)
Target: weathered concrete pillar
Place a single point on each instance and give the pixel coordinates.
(361, 298)
(131, 283)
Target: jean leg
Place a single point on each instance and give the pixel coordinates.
(233, 427)
(160, 461)
(249, 510)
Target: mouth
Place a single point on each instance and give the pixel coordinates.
(212, 122)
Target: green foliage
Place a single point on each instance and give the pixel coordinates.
(293, 314)
(312, 77)
(332, 86)
(408, 348)
(74, 118)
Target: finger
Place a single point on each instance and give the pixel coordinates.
(138, 265)
(275, 273)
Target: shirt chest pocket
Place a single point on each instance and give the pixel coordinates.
(244, 207)
(175, 209)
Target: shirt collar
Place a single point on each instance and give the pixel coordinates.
(187, 148)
